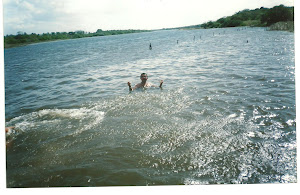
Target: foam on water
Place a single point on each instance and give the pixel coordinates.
(174, 141)
(86, 117)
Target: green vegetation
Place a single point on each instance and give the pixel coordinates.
(276, 18)
(284, 26)
(262, 17)
(22, 38)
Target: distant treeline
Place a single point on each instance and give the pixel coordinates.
(263, 17)
(22, 38)
(277, 18)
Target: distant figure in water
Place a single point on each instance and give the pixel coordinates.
(177, 41)
(247, 41)
(144, 83)
(150, 47)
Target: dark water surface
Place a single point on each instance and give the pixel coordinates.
(226, 113)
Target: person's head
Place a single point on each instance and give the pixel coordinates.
(144, 77)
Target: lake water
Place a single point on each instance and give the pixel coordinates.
(225, 115)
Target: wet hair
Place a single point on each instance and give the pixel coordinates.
(143, 74)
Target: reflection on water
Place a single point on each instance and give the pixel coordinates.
(226, 113)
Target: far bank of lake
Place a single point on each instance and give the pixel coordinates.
(23, 39)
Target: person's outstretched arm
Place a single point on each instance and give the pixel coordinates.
(161, 82)
(129, 85)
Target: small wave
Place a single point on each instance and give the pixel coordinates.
(291, 122)
(76, 61)
(31, 87)
(289, 178)
(290, 146)
(80, 119)
(69, 113)
(90, 80)
(65, 82)
(236, 76)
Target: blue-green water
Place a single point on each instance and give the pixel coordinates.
(226, 113)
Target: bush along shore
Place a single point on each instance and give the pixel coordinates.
(276, 18)
(22, 38)
(283, 26)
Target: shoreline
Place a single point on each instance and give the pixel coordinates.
(21, 40)
(8, 46)
(279, 26)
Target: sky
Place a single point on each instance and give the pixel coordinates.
(42, 16)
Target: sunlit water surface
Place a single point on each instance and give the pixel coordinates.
(226, 113)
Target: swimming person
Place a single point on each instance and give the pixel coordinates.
(144, 83)
(150, 47)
